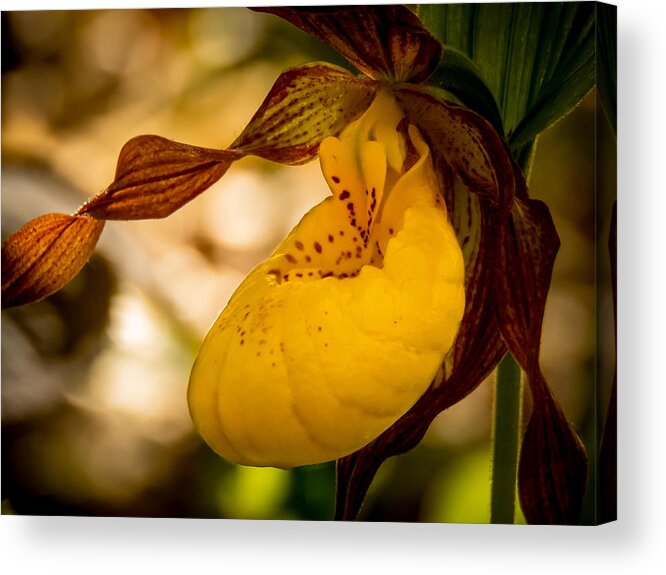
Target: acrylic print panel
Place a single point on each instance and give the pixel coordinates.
(332, 263)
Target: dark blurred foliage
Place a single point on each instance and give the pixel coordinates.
(94, 413)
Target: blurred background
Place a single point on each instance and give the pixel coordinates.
(94, 415)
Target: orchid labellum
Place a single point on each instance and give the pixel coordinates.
(390, 301)
(335, 336)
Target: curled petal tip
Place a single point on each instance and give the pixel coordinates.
(42, 256)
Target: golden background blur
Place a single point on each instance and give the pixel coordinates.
(94, 414)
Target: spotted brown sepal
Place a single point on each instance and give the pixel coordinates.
(553, 464)
(466, 141)
(383, 42)
(42, 256)
(155, 177)
(305, 105)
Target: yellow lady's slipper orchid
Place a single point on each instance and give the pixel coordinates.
(327, 350)
(336, 335)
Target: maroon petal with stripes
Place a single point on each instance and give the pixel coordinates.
(155, 177)
(553, 464)
(381, 41)
(305, 105)
(479, 346)
(44, 255)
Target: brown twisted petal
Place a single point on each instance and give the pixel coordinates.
(477, 349)
(381, 41)
(553, 463)
(529, 243)
(42, 256)
(155, 177)
(469, 143)
(305, 105)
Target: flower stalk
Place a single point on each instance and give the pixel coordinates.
(507, 418)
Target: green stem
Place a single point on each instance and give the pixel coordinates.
(506, 430)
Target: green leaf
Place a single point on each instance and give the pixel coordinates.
(537, 59)
(459, 76)
(607, 54)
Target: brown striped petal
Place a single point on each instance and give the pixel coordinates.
(479, 346)
(469, 143)
(305, 105)
(44, 255)
(529, 245)
(381, 41)
(553, 463)
(155, 177)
